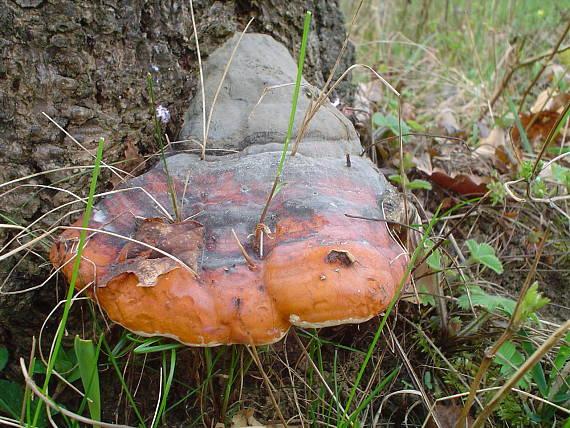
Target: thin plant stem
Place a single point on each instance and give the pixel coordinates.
(529, 88)
(158, 131)
(391, 306)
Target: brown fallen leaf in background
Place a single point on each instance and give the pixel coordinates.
(537, 126)
(550, 101)
(461, 183)
(453, 167)
(495, 149)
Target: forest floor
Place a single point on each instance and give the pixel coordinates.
(478, 140)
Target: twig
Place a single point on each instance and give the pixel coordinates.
(549, 138)
(411, 134)
(514, 68)
(201, 71)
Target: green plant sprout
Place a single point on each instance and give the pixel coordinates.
(277, 184)
(484, 254)
(158, 135)
(414, 184)
(87, 356)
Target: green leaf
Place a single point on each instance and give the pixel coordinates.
(490, 302)
(390, 122)
(415, 125)
(426, 297)
(537, 371)
(278, 188)
(485, 254)
(434, 259)
(66, 365)
(510, 359)
(397, 179)
(532, 301)
(3, 358)
(524, 138)
(419, 184)
(87, 358)
(11, 396)
(563, 354)
(148, 346)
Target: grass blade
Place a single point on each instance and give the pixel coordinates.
(275, 187)
(74, 275)
(87, 356)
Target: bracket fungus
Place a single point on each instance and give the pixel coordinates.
(189, 280)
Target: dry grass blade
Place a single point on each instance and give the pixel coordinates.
(324, 96)
(253, 352)
(319, 374)
(418, 383)
(248, 259)
(201, 71)
(34, 388)
(218, 89)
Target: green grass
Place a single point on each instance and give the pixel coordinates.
(74, 276)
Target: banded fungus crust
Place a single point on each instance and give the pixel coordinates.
(189, 280)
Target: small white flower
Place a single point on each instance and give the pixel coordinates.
(163, 114)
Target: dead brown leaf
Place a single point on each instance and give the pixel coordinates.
(549, 100)
(461, 183)
(494, 149)
(537, 126)
(147, 271)
(183, 240)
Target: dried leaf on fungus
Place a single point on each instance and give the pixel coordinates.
(184, 239)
